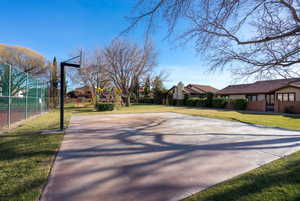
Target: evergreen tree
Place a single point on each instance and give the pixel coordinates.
(147, 87)
(157, 84)
(136, 87)
(158, 90)
(54, 84)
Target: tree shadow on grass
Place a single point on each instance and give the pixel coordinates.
(24, 162)
(27, 142)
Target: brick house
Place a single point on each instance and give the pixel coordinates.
(142, 93)
(193, 90)
(197, 90)
(279, 95)
(84, 91)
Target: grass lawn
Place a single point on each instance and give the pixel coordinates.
(275, 181)
(26, 157)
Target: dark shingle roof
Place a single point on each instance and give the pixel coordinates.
(196, 88)
(266, 86)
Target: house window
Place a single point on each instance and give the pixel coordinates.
(252, 98)
(292, 97)
(269, 99)
(286, 96)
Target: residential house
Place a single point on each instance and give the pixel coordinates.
(84, 91)
(197, 90)
(193, 90)
(85, 94)
(280, 95)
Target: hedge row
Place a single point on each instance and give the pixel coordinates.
(238, 104)
(105, 106)
(146, 100)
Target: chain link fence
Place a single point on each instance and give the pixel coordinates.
(21, 95)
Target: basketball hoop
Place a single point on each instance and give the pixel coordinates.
(68, 63)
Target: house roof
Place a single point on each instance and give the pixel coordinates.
(196, 89)
(295, 84)
(83, 89)
(200, 88)
(266, 86)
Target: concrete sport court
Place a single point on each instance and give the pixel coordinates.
(158, 156)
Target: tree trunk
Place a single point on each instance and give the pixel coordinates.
(94, 96)
(128, 100)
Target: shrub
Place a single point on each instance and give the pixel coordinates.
(219, 103)
(186, 97)
(209, 99)
(202, 102)
(240, 104)
(146, 100)
(179, 102)
(105, 106)
(199, 102)
(176, 102)
(192, 101)
(169, 100)
(133, 98)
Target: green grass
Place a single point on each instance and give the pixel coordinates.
(276, 181)
(26, 157)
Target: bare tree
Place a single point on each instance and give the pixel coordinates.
(25, 59)
(252, 37)
(93, 73)
(126, 62)
(158, 78)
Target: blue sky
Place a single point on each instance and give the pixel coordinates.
(58, 27)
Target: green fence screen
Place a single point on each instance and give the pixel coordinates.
(21, 95)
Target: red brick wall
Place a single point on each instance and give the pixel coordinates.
(257, 106)
(254, 106)
(281, 105)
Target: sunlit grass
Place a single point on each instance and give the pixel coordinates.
(276, 181)
(26, 156)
